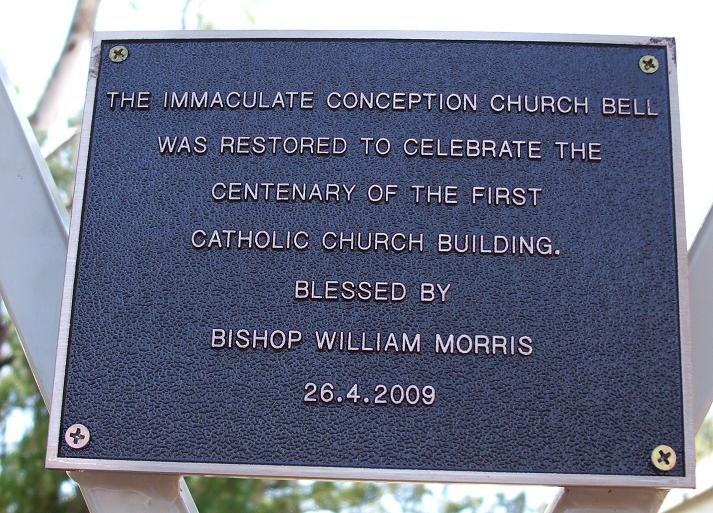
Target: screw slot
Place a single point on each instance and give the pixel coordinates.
(118, 53)
(663, 458)
(77, 436)
(648, 64)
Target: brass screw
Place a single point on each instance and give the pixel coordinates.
(648, 64)
(663, 458)
(77, 436)
(118, 53)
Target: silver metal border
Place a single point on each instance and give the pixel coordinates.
(53, 461)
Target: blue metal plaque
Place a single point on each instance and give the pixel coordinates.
(366, 256)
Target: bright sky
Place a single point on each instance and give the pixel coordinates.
(32, 32)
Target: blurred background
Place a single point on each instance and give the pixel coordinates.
(44, 47)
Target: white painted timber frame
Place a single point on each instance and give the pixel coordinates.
(34, 234)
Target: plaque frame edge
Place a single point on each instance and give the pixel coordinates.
(53, 461)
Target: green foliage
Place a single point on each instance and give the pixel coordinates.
(62, 161)
(467, 505)
(704, 439)
(337, 497)
(220, 495)
(517, 504)
(25, 485)
(62, 168)
(409, 497)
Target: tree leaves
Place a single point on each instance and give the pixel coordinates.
(25, 485)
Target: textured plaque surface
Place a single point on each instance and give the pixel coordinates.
(602, 384)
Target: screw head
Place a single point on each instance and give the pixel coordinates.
(663, 458)
(648, 64)
(77, 436)
(118, 53)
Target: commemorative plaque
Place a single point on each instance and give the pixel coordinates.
(380, 256)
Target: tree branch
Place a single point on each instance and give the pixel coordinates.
(184, 14)
(79, 32)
